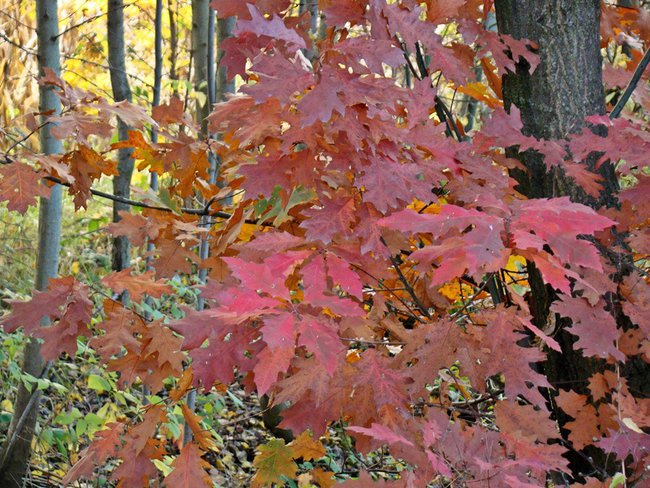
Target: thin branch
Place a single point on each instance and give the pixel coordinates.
(100, 65)
(31, 52)
(136, 203)
(399, 298)
(90, 19)
(636, 77)
(421, 307)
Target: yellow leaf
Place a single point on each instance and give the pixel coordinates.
(479, 92)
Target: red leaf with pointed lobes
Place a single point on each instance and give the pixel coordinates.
(219, 360)
(239, 8)
(478, 250)
(382, 434)
(320, 103)
(596, 328)
(388, 384)
(189, 469)
(268, 276)
(333, 219)
(320, 337)
(318, 291)
(270, 363)
(68, 307)
(20, 186)
(279, 331)
(273, 28)
(279, 77)
(557, 222)
(137, 285)
(104, 445)
(340, 272)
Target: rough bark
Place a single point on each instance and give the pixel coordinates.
(121, 91)
(14, 457)
(564, 89)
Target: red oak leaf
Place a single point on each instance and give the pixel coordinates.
(20, 185)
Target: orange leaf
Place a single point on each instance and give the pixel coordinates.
(183, 385)
(307, 448)
(201, 436)
(189, 469)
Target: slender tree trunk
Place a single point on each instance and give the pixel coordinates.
(14, 456)
(200, 33)
(173, 45)
(203, 38)
(121, 91)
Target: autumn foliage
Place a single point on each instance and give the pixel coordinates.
(368, 258)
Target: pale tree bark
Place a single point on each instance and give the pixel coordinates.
(14, 457)
(121, 91)
(200, 33)
(214, 86)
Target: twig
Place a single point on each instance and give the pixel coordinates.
(631, 86)
(400, 299)
(18, 46)
(90, 19)
(136, 203)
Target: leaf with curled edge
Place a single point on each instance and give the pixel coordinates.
(200, 434)
(86, 166)
(20, 186)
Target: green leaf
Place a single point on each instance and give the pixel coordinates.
(99, 384)
(617, 480)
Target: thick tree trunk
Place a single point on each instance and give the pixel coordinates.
(121, 91)
(16, 451)
(564, 89)
(566, 86)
